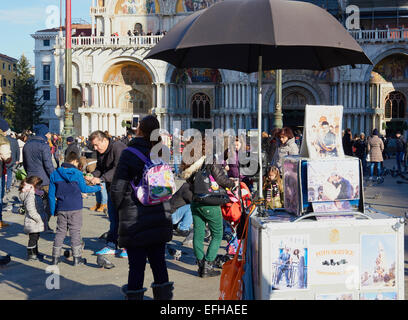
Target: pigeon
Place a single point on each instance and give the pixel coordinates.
(5, 260)
(104, 263)
(175, 253)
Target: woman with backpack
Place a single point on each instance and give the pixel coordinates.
(143, 230)
(213, 174)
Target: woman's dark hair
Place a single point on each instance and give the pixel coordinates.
(33, 180)
(287, 132)
(147, 125)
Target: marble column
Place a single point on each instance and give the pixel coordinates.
(377, 105)
(84, 125)
(94, 122)
(362, 128)
(341, 94)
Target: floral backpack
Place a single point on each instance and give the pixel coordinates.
(157, 184)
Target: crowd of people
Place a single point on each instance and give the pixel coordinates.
(374, 149)
(57, 181)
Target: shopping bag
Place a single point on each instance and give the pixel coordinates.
(231, 284)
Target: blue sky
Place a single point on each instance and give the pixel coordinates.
(21, 18)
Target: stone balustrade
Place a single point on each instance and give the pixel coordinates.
(373, 36)
(111, 41)
(98, 10)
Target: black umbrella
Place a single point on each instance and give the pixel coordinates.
(256, 35)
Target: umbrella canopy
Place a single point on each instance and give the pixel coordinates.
(232, 34)
(256, 35)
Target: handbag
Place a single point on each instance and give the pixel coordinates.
(231, 284)
(206, 189)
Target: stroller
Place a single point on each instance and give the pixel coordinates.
(233, 212)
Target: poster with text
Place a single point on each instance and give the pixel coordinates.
(378, 260)
(332, 264)
(323, 132)
(333, 180)
(289, 256)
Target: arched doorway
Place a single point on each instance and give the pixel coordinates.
(133, 88)
(201, 112)
(294, 102)
(394, 113)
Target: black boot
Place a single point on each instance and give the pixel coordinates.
(39, 255)
(206, 269)
(78, 261)
(132, 294)
(31, 256)
(163, 291)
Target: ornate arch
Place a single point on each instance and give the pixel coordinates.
(382, 54)
(314, 91)
(99, 75)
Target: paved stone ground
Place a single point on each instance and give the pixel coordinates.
(22, 280)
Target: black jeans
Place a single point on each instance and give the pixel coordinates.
(137, 264)
(33, 240)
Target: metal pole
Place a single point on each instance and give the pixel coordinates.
(68, 116)
(260, 183)
(277, 115)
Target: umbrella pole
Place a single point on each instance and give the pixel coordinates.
(260, 184)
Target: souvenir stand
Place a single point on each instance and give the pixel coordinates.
(325, 244)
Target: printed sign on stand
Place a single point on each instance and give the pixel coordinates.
(330, 264)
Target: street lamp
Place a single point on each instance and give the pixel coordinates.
(277, 115)
(68, 115)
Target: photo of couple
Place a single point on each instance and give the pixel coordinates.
(333, 180)
(323, 134)
(289, 264)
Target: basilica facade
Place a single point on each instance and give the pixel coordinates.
(112, 81)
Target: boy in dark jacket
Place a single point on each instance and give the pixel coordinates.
(67, 185)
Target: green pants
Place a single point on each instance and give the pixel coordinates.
(212, 215)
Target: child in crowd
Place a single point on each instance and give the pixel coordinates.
(31, 196)
(273, 189)
(67, 184)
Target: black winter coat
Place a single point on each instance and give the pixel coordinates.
(139, 226)
(108, 161)
(217, 171)
(182, 197)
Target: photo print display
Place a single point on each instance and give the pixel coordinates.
(378, 296)
(329, 181)
(291, 185)
(289, 256)
(335, 296)
(378, 261)
(322, 132)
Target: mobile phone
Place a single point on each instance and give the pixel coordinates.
(135, 121)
